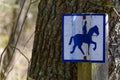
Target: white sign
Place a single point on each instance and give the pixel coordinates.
(83, 37)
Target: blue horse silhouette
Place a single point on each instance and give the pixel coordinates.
(79, 39)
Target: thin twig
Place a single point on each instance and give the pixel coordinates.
(13, 33)
(9, 72)
(20, 32)
(14, 64)
(116, 12)
(21, 53)
(29, 39)
(33, 1)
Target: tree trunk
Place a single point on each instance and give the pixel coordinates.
(46, 63)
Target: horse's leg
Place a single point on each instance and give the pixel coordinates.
(70, 40)
(73, 49)
(95, 45)
(81, 49)
(88, 49)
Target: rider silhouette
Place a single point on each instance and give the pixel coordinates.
(84, 28)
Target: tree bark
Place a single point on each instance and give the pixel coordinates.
(46, 62)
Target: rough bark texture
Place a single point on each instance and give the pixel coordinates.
(46, 63)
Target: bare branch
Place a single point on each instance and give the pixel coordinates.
(29, 39)
(9, 72)
(33, 1)
(13, 33)
(116, 12)
(21, 53)
(13, 65)
(25, 16)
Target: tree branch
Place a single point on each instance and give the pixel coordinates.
(116, 12)
(33, 1)
(21, 53)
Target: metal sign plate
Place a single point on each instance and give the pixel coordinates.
(83, 37)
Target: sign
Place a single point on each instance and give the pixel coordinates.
(83, 37)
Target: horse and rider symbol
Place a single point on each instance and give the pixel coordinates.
(86, 37)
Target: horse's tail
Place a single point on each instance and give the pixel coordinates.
(70, 40)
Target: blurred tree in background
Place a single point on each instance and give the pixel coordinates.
(17, 23)
(13, 40)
